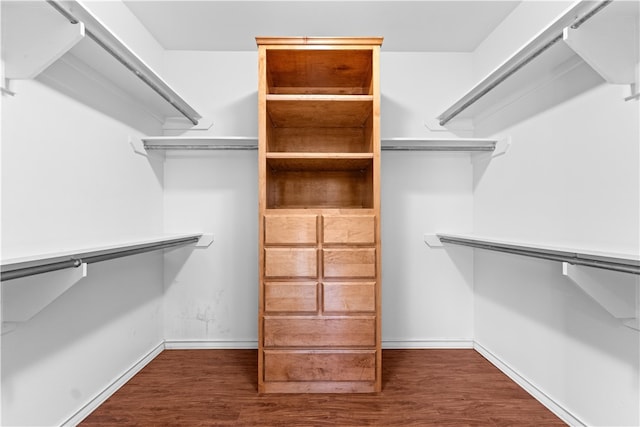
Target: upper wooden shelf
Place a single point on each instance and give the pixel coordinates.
(319, 161)
(39, 34)
(291, 71)
(319, 111)
(553, 51)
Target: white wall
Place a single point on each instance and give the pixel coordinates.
(212, 298)
(71, 180)
(571, 178)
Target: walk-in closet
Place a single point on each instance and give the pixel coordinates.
(320, 212)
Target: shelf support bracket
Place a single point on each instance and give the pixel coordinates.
(32, 40)
(610, 47)
(617, 292)
(25, 297)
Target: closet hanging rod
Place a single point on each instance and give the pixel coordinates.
(572, 257)
(131, 67)
(438, 148)
(47, 265)
(519, 65)
(199, 147)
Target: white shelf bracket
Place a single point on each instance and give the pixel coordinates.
(138, 146)
(502, 146)
(205, 240)
(616, 292)
(25, 297)
(609, 44)
(34, 36)
(432, 240)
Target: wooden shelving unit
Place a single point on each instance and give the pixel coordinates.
(319, 197)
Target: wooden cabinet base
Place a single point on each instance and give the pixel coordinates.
(319, 387)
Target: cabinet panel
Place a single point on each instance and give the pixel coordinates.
(290, 296)
(297, 331)
(290, 262)
(349, 262)
(349, 296)
(282, 365)
(289, 229)
(353, 229)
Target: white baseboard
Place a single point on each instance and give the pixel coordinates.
(210, 344)
(529, 387)
(98, 400)
(433, 344)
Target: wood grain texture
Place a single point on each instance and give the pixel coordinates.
(290, 229)
(346, 297)
(349, 229)
(420, 388)
(290, 262)
(329, 112)
(319, 332)
(291, 365)
(290, 297)
(348, 262)
(319, 140)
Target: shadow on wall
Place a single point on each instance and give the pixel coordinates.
(535, 293)
(394, 118)
(70, 335)
(101, 96)
(538, 98)
(237, 118)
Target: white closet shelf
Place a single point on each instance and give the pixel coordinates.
(552, 52)
(626, 263)
(438, 144)
(26, 265)
(200, 143)
(39, 34)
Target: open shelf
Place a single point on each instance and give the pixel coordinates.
(319, 161)
(293, 71)
(338, 111)
(37, 263)
(438, 144)
(550, 53)
(626, 263)
(91, 48)
(200, 143)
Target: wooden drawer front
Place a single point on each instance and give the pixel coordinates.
(290, 262)
(354, 365)
(349, 297)
(349, 262)
(289, 229)
(319, 332)
(290, 296)
(351, 229)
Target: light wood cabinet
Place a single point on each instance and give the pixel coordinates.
(319, 215)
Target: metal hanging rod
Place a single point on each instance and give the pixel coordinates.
(131, 67)
(47, 265)
(577, 258)
(438, 148)
(520, 64)
(199, 147)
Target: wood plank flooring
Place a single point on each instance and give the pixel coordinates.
(420, 388)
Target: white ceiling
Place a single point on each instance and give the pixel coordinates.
(420, 26)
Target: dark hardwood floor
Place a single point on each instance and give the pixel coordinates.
(420, 388)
